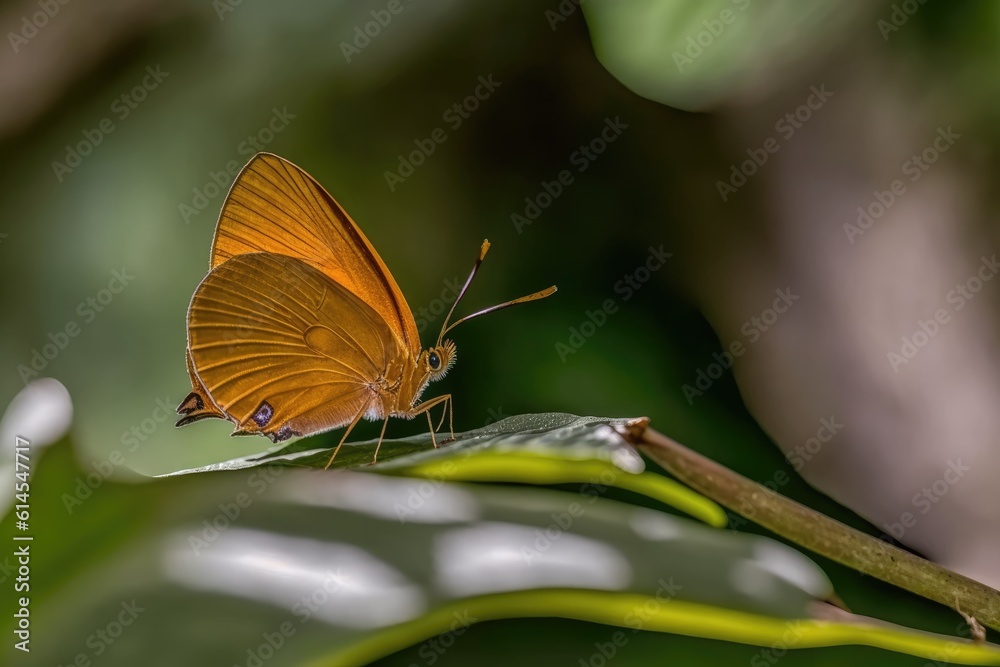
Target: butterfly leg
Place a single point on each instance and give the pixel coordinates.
(354, 422)
(449, 409)
(430, 427)
(380, 436)
(444, 413)
(426, 407)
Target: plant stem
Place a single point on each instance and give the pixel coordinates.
(817, 532)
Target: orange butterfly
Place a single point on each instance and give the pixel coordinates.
(299, 327)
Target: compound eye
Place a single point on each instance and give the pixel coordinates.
(434, 361)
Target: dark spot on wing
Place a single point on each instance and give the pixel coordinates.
(263, 414)
(284, 433)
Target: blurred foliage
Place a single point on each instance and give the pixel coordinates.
(693, 56)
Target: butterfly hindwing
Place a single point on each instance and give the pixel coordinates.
(198, 404)
(283, 350)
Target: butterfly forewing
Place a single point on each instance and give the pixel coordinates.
(276, 207)
(284, 350)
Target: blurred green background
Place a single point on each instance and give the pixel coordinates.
(349, 107)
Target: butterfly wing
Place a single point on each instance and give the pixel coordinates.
(283, 350)
(198, 404)
(274, 206)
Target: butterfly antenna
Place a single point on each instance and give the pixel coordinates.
(485, 248)
(445, 328)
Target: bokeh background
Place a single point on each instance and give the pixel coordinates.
(120, 120)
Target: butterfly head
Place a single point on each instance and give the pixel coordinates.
(439, 359)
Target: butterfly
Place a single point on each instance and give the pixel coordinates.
(299, 327)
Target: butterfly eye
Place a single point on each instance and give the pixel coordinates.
(434, 361)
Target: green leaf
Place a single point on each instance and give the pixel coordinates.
(693, 55)
(292, 566)
(553, 448)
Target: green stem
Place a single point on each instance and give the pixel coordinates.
(817, 532)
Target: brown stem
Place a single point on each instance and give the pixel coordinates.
(817, 532)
